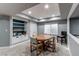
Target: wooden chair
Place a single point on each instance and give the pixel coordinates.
(51, 45)
(35, 46)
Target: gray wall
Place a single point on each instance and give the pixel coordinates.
(4, 31)
(73, 40)
(40, 28)
(62, 25)
(74, 26)
(73, 46)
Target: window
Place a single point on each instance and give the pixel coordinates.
(54, 29)
(47, 29)
(51, 29)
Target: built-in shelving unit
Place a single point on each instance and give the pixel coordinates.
(18, 27)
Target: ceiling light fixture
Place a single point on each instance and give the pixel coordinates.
(53, 15)
(46, 6)
(29, 12)
(55, 18)
(42, 20)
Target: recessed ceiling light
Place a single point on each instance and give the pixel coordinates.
(53, 15)
(40, 17)
(42, 20)
(29, 12)
(46, 6)
(55, 18)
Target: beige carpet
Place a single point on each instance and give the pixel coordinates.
(23, 49)
(61, 50)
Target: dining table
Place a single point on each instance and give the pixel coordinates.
(43, 38)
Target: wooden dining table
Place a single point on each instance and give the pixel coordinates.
(43, 38)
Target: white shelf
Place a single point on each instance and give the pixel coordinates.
(17, 23)
(19, 39)
(19, 26)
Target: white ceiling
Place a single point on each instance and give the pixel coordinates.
(39, 11)
(14, 8)
(75, 13)
(64, 9)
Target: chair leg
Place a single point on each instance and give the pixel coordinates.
(39, 50)
(61, 41)
(30, 48)
(57, 39)
(65, 41)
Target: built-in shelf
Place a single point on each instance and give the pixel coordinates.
(18, 30)
(18, 26)
(17, 23)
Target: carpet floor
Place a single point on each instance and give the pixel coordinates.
(23, 49)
